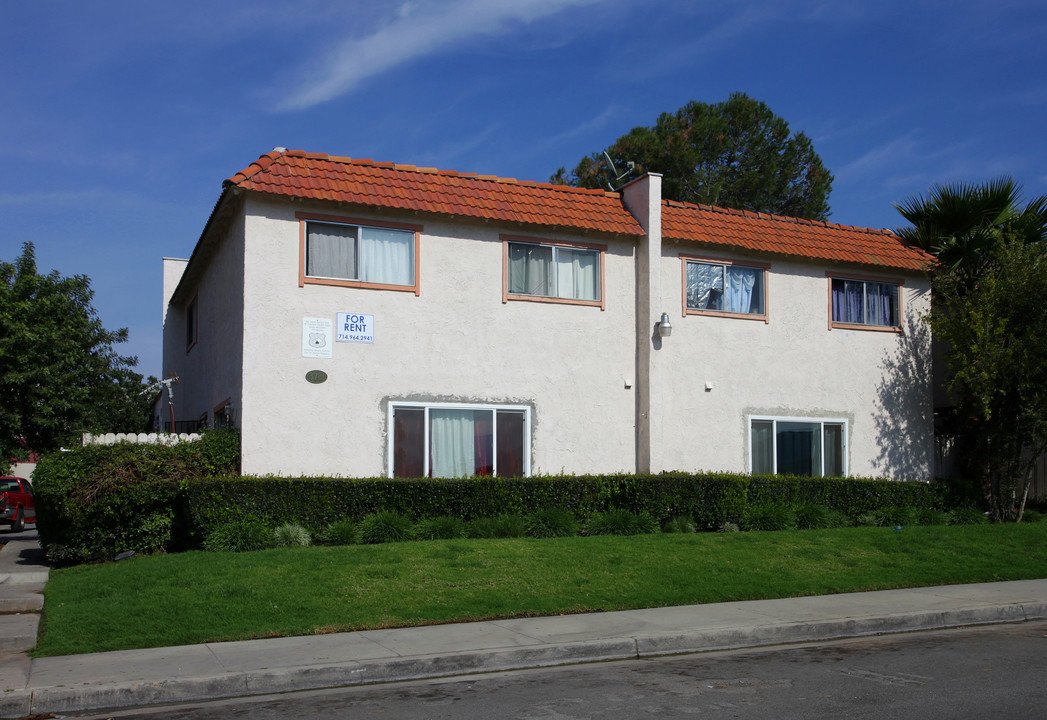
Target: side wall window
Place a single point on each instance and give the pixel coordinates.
(545, 271)
(865, 303)
(445, 440)
(191, 324)
(720, 287)
(350, 252)
(798, 446)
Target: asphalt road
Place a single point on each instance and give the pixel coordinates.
(998, 671)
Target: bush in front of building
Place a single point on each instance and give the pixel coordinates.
(709, 500)
(97, 501)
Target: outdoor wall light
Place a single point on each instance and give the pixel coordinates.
(665, 328)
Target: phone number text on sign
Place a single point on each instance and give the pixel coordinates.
(355, 327)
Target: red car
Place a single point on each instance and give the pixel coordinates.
(16, 503)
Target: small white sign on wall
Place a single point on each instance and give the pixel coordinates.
(355, 327)
(317, 334)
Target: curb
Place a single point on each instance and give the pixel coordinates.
(354, 673)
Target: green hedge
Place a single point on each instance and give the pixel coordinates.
(710, 498)
(97, 501)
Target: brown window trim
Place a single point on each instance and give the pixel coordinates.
(766, 267)
(507, 296)
(303, 280)
(900, 282)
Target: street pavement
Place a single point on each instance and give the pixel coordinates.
(234, 669)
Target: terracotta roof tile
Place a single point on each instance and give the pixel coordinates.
(388, 185)
(487, 197)
(761, 233)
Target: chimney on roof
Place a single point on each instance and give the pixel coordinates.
(280, 149)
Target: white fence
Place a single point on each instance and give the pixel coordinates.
(143, 438)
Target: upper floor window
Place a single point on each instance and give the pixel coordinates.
(865, 302)
(719, 287)
(358, 253)
(562, 272)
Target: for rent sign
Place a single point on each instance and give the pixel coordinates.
(355, 327)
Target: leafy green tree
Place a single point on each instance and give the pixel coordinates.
(995, 334)
(735, 154)
(59, 372)
(989, 319)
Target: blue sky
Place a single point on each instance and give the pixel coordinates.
(120, 120)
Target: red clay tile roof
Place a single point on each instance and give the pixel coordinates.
(406, 187)
(773, 234)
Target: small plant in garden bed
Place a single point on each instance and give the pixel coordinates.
(503, 526)
(342, 532)
(769, 516)
(385, 526)
(620, 522)
(440, 528)
(812, 516)
(292, 535)
(552, 522)
(678, 524)
(967, 516)
(240, 536)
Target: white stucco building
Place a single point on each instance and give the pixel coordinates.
(360, 319)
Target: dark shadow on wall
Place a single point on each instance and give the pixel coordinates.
(904, 406)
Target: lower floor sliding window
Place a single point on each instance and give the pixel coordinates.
(449, 440)
(798, 446)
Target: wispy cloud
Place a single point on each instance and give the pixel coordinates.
(419, 29)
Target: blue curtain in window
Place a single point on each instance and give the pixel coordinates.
(848, 301)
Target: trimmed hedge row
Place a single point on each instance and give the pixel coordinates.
(98, 501)
(711, 499)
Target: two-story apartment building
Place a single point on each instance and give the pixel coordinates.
(356, 318)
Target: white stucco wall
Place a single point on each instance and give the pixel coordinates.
(456, 341)
(794, 366)
(210, 371)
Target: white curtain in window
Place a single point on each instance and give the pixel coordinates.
(530, 270)
(452, 443)
(386, 256)
(331, 251)
(577, 274)
(762, 447)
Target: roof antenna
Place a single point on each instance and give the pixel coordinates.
(614, 171)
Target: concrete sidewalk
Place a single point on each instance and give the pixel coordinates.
(217, 670)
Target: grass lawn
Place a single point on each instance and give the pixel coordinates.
(200, 597)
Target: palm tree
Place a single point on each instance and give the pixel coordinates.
(961, 224)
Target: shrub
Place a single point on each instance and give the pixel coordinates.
(620, 522)
(896, 516)
(729, 527)
(441, 528)
(769, 516)
(967, 516)
(552, 522)
(292, 535)
(96, 501)
(341, 533)
(869, 519)
(1032, 516)
(812, 516)
(679, 524)
(240, 536)
(839, 519)
(385, 526)
(502, 526)
(929, 516)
